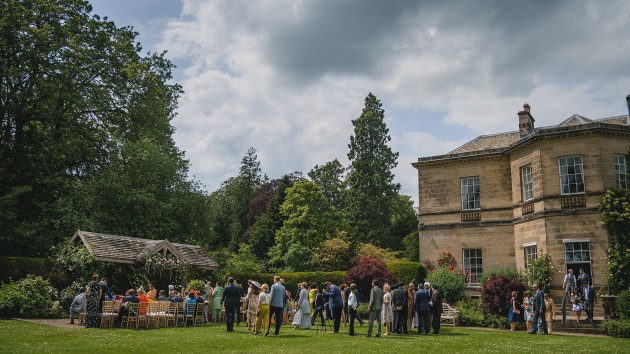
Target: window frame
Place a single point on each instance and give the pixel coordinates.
(466, 197)
(576, 176)
(472, 272)
(574, 250)
(621, 177)
(527, 183)
(530, 256)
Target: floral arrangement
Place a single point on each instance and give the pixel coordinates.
(155, 265)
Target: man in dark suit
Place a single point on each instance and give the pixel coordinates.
(399, 298)
(374, 308)
(421, 304)
(583, 278)
(436, 308)
(589, 296)
(232, 302)
(539, 310)
(130, 297)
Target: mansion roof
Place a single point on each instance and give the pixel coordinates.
(132, 250)
(501, 143)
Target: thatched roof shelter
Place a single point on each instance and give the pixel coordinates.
(133, 250)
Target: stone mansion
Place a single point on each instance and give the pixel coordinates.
(501, 199)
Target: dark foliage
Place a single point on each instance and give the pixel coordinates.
(365, 270)
(496, 293)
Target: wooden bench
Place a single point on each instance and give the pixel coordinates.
(449, 316)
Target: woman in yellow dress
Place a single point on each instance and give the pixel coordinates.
(311, 298)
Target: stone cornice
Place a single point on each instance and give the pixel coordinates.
(537, 135)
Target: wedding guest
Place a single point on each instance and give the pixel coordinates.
(217, 295)
(262, 310)
(353, 304)
(305, 307)
(162, 296)
(92, 310)
(152, 293)
(550, 311)
(387, 312)
(528, 306)
(77, 306)
(252, 305)
(411, 294)
(514, 314)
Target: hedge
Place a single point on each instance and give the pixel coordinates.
(16, 268)
(616, 328)
(290, 279)
(408, 271)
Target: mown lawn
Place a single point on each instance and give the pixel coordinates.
(23, 337)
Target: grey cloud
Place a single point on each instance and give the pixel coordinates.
(348, 37)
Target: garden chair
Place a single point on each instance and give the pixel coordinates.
(131, 316)
(108, 315)
(199, 313)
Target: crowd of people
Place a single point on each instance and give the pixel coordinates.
(537, 311)
(395, 307)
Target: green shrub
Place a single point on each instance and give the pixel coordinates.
(407, 271)
(197, 284)
(623, 305)
(451, 283)
(506, 272)
(616, 328)
(16, 268)
(30, 297)
(290, 279)
(471, 314)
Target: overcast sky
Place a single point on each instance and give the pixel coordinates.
(287, 77)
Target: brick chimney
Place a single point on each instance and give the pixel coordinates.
(628, 102)
(526, 121)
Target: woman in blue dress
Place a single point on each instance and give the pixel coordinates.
(514, 315)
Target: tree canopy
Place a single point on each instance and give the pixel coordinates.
(85, 130)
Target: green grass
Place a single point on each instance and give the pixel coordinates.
(23, 337)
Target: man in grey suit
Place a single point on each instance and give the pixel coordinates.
(277, 304)
(374, 308)
(77, 306)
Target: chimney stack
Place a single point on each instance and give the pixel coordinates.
(526, 121)
(628, 102)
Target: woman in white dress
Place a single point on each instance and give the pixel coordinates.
(388, 312)
(305, 307)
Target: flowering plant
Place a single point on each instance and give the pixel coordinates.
(446, 260)
(156, 264)
(540, 271)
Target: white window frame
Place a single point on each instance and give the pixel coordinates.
(470, 193)
(529, 256)
(581, 251)
(571, 175)
(527, 191)
(472, 271)
(621, 171)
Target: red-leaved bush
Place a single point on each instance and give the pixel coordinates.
(365, 270)
(496, 293)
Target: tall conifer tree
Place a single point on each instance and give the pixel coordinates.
(371, 189)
